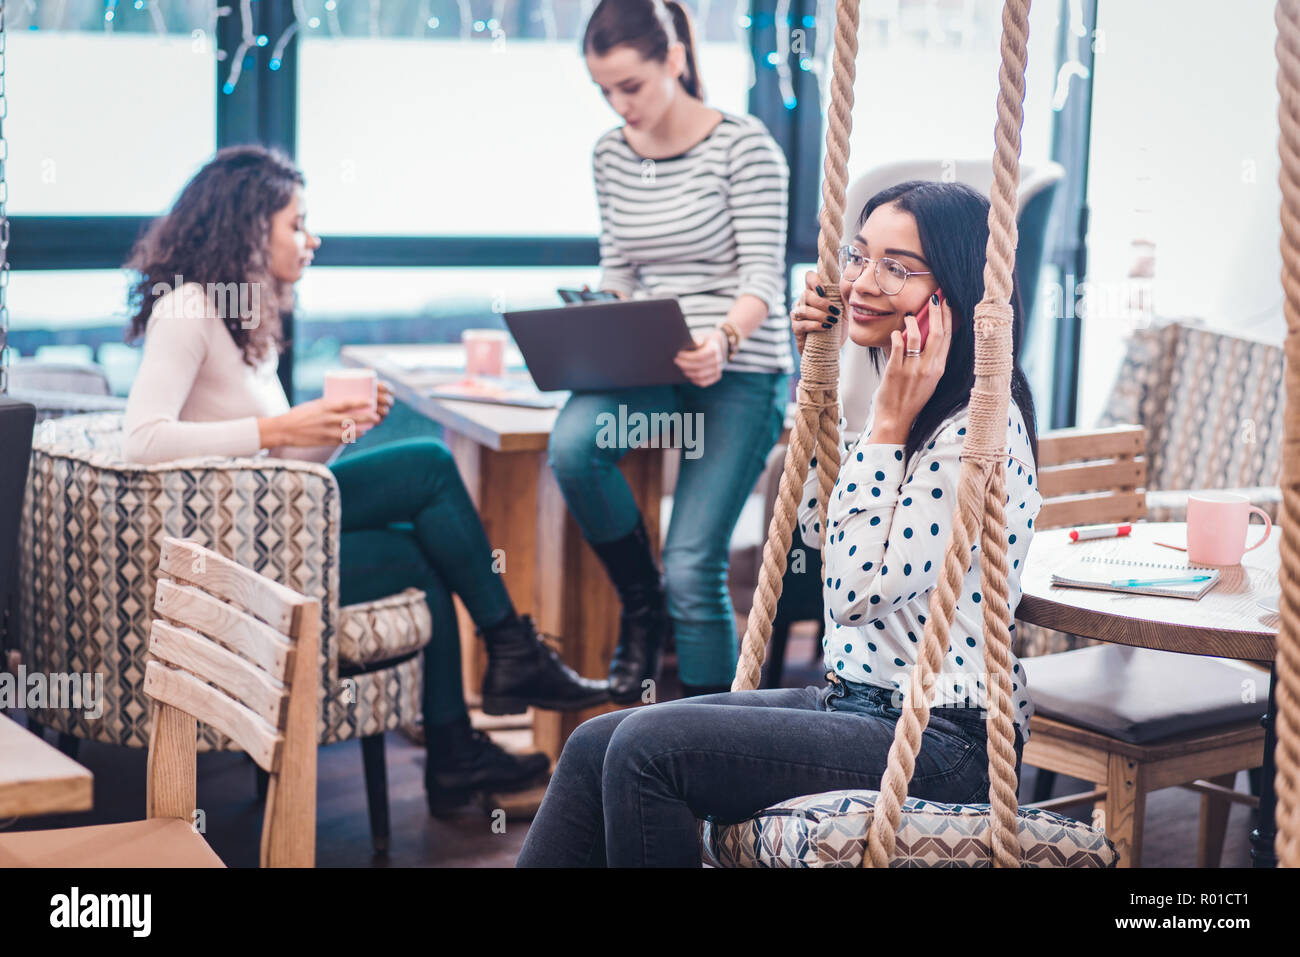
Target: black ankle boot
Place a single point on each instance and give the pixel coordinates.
(461, 760)
(523, 670)
(694, 691)
(643, 625)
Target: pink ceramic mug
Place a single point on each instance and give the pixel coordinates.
(485, 352)
(359, 385)
(1216, 527)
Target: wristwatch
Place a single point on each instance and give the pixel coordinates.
(733, 339)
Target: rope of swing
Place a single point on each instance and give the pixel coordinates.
(982, 482)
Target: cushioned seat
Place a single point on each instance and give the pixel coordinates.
(384, 629)
(1138, 695)
(830, 830)
(157, 842)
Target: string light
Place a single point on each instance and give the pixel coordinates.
(247, 41)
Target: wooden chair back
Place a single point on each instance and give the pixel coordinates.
(239, 652)
(1092, 476)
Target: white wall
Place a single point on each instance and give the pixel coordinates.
(1184, 153)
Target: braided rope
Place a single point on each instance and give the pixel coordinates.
(1287, 716)
(817, 417)
(980, 495)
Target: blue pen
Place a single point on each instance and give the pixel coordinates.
(1138, 583)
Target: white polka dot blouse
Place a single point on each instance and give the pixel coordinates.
(889, 524)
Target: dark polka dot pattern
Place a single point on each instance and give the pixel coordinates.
(883, 505)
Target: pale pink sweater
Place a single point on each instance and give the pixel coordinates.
(194, 395)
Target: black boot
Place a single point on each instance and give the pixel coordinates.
(643, 625)
(463, 760)
(523, 670)
(694, 691)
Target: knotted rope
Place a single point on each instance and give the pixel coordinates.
(817, 415)
(1287, 716)
(980, 498)
(982, 481)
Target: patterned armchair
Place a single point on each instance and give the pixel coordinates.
(88, 550)
(1211, 404)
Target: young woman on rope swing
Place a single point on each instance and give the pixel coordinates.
(630, 786)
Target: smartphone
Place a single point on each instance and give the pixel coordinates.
(923, 319)
(585, 294)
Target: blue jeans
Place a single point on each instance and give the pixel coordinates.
(739, 420)
(630, 785)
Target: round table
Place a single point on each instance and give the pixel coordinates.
(1226, 622)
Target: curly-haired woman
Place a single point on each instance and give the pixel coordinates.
(215, 274)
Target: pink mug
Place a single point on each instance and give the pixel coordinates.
(1216, 527)
(485, 352)
(359, 385)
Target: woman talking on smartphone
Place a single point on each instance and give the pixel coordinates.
(631, 785)
(692, 207)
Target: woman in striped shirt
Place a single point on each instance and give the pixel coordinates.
(692, 206)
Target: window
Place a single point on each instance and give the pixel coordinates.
(106, 114)
(477, 125)
(343, 306)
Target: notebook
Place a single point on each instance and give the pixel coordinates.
(1098, 571)
(504, 390)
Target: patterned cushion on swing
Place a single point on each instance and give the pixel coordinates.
(829, 830)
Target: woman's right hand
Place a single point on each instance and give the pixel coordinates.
(813, 312)
(317, 422)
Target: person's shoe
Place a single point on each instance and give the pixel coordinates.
(639, 655)
(523, 670)
(463, 761)
(643, 625)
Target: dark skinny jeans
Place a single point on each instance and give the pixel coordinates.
(408, 521)
(630, 785)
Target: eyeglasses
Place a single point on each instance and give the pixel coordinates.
(891, 275)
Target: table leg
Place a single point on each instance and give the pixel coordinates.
(1262, 850)
(575, 598)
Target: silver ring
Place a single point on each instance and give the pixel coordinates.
(909, 352)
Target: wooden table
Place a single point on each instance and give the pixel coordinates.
(1227, 622)
(550, 571)
(36, 778)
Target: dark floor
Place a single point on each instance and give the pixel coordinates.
(234, 814)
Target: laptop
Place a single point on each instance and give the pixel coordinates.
(594, 346)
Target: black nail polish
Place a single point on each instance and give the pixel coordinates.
(826, 325)
(833, 319)
(934, 299)
(821, 291)
(833, 310)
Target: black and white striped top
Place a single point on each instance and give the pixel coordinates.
(703, 227)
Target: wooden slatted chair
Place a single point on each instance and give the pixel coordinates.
(1130, 720)
(239, 652)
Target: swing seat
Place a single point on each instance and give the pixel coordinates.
(830, 830)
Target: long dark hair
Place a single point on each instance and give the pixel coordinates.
(217, 233)
(952, 221)
(649, 27)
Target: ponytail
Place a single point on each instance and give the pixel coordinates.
(649, 27)
(686, 34)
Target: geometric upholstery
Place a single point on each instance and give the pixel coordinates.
(89, 545)
(1211, 404)
(830, 830)
(1140, 695)
(385, 628)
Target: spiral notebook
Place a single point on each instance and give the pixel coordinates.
(1098, 571)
